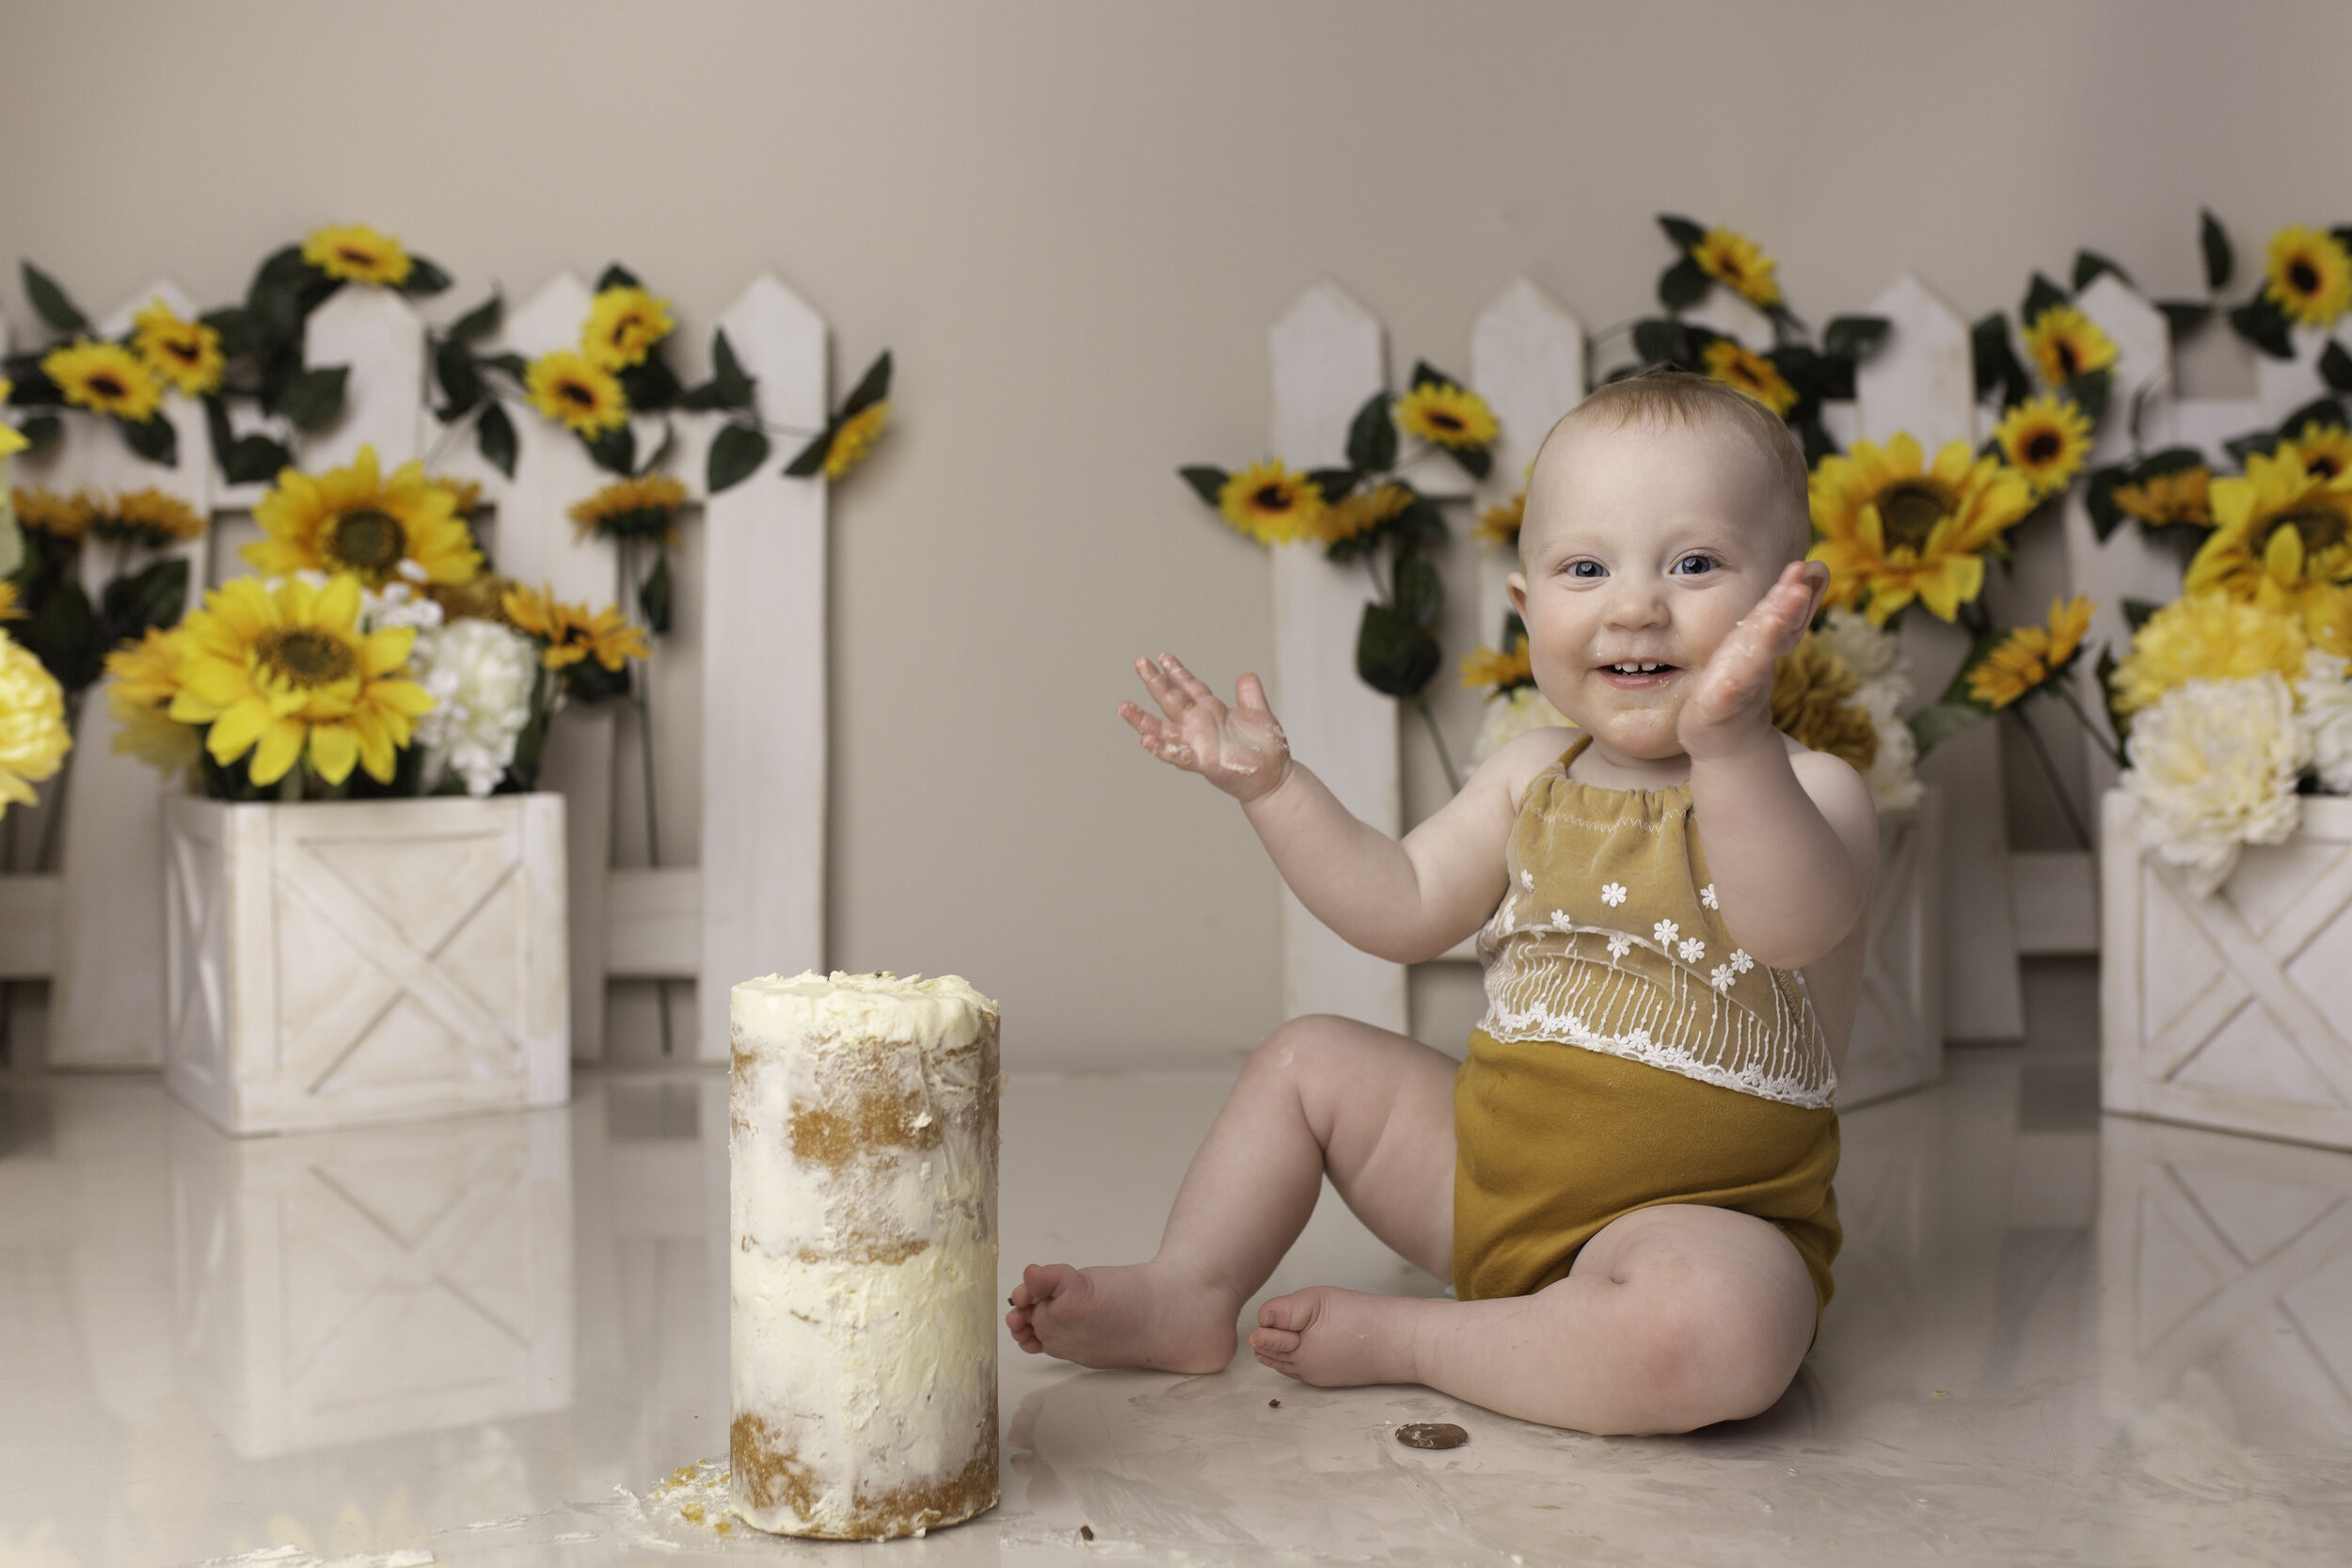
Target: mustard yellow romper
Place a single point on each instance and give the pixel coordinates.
(1630, 1055)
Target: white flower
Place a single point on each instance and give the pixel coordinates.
(1638, 1039)
(1693, 950)
(1619, 944)
(1560, 919)
(1515, 715)
(481, 675)
(1612, 894)
(1873, 654)
(2214, 769)
(397, 604)
(1720, 977)
(1740, 962)
(1664, 932)
(1707, 897)
(1877, 658)
(2323, 703)
(1527, 880)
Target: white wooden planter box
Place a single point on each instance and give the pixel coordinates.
(341, 1287)
(347, 963)
(2231, 1011)
(1898, 1039)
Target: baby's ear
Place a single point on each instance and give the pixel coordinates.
(1516, 587)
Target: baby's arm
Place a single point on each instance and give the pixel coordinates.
(1405, 901)
(1792, 840)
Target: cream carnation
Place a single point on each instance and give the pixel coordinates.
(1873, 654)
(2214, 769)
(1512, 715)
(481, 674)
(2324, 701)
(33, 737)
(1892, 775)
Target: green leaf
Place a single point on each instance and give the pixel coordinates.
(2335, 366)
(1682, 285)
(1394, 654)
(1940, 721)
(653, 597)
(2089, 265)
(2089, 390)
(514, 365)
(254, 460)
(2214, 241)
(494, 438)
(588, 683)
(1427, 374)
(479, 321)
(51, 301)
(871, 388)
(735, 454)
(1206, 482)
(2261, 323)
(41, 431)
(1682, 232)
(811, 460)
(155, 439)
(617, 276)
(153, 597)
(1853, 337)
(2116, 715)
(1372, 437)
(1662, 341)
(2040, 295)
(650, 385)
(239, 334)
(423, 278)
(2099, 498)
(2138, 611)
(2263, 442)
(314, 399)
(1335, 483)
(1477, 461)
(63, 631)
(2184, 316)
(733, 385)
(2172, 460)
(660, 453)
(461, 384)
(1819, 443)
(1419, 590)
(614, 450)
(1513, 629)
(1997, 366)
(2319, 411)
(11, 542)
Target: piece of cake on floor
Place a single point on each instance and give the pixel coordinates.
(863, 1254)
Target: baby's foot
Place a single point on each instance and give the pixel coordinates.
(1337, 1338)
(1139, 1315)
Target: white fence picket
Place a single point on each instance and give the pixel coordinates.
(1526, 360)
(763, 686)
(378, 334)
(2283, 385)
(1921, 380)
(1328, 356)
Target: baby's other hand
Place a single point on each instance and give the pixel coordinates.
(1240, 750)
(1732, 702)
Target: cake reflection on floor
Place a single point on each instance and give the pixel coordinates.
(503, 1341)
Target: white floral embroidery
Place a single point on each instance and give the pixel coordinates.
(1693, 950)
(1612, 894)
(1707, 897)
(1561, 922)
(1664, 932)
(1720, 977)
(1527, 880)
(1619, 944)
(1740, 962)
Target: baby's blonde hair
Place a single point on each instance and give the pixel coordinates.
(1671, 397)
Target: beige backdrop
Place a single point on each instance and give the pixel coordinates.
(1074, 222)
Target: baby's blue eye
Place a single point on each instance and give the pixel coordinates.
(1585, 569)
(1692, 565)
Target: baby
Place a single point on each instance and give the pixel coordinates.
(1628, 1181)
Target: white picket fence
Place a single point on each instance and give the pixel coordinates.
(1526, 357)
(740, 685)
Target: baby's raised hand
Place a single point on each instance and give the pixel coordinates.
(1731, 704)
(1240, 749)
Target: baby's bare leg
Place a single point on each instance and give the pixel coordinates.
(1372, 1108)
(1672, 1318)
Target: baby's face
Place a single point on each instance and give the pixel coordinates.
(1642, 547)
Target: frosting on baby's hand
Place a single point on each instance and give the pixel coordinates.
(1734, 694)
(1240, 749)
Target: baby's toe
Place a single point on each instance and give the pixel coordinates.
(1274, 1341)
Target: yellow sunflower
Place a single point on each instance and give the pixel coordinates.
(1749, 373)
(59, 516)
(2281, 537)
(480, 598)
(185, 353)
(575, 391)
(855, 437)
(2031, 656)
(1813, 703)
(104, 377)
(1449, 416)
(2045, 439)
(1271, 504)
(147, 517)
(2309, 275)
(2064, 343)
(1483, 666)
(2326, 449)
(286, 674)
(354, 520)
(11, 438)
(623, 325)
(1736, 261)
(1362, 512)
(2182, 495)
(9, 609)
(142, 679)
(567, 634)
(33, 735)
(644, 507)
(464, 496)
(2208, 637)
(1499, 523)
(358, 254)
(1894, 529)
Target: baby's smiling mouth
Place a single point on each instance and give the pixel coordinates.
(1637, 674)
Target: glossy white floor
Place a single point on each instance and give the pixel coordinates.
(493, 1342)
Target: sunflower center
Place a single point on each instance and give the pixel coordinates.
(1908, 513)
(2303, 277)
(2321, 530)
(351, 256)
(1271, 498)
(367, 540)
(2043, 446)
(2321, 466)
(1444, 420)
(106, 386)
(577, 395)
(300, 657)
(2068, 361)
